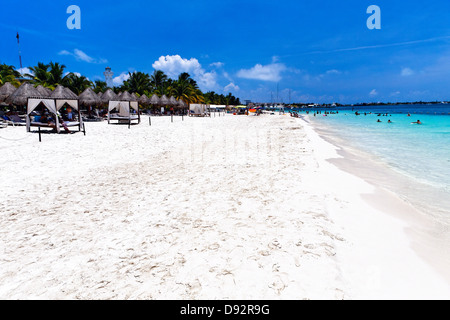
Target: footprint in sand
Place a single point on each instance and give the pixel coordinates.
(277, 285)
(274, 244)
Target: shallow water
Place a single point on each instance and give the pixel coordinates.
(421, 153)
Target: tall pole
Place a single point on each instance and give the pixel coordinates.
(277, 92)
(20, 53)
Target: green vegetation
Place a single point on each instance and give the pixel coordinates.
(52, 74)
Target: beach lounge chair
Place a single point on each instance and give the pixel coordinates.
(15, 120)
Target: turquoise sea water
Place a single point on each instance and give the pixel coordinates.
(419, 152)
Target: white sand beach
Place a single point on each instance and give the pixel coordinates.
(231, 207)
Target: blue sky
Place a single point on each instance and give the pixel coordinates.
(316, 51)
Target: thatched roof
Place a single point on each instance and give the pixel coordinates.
(45, 92)
(89, 98)
(144, 100)
(70, 93)
(6, 90)
(173, 102)
(108, 96)
(182, 104)
(21, 95)
(135, 97)
(126, 96)
(164, 101)
(155, 100)
(61, 93)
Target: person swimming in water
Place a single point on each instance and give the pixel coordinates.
(389, 121)
(417, 122)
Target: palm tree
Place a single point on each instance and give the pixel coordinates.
(100, 86)
(186, 89)
(77, 83)
(40, 74)
(48, 75)
(138, 82)
(56, 74)
(9, 74)
(158, 80)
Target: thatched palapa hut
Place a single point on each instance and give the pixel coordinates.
(108, 96)
(6, 90)
(45, 92)
(21, 95)
(89, 99)
(144, 100)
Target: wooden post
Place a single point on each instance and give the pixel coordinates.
(171, 117)
(39, 129)
(150, 120)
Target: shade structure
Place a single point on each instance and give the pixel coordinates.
(89, 98)
(70, 93)
(164, 101)
(155, 100)
(134, 96)
(21, 95)
(45, 92)
(6, 90)
(182, 104)
(62, 97)
(173, 102)
(126, 96)
(108, 96)
(144, 100)
(61, 93)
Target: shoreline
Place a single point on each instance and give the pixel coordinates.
(428, 237)
(233, 207)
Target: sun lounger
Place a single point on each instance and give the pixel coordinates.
(14, 120)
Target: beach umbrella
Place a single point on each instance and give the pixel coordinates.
(126, 96)
(155, 100)
(6, 90)
(134, 96)
(164, 101)
(173, 102)
(182, 104)
(45, 92)
(70, 93)
(21, 95)
(61, 93)
(89, 98)
(108, 96)
(144, 100)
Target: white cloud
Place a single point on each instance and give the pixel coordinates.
(174, 65)
(227, 76)
(207, 79)
(75, 73)
(24, 71)
(231, 87)
(406, 72)
(217, 64)
(333, 71)
(275, 59)
(118, 81)
(394, 94)
(373, 93)
(271, 72)
(81, 56)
